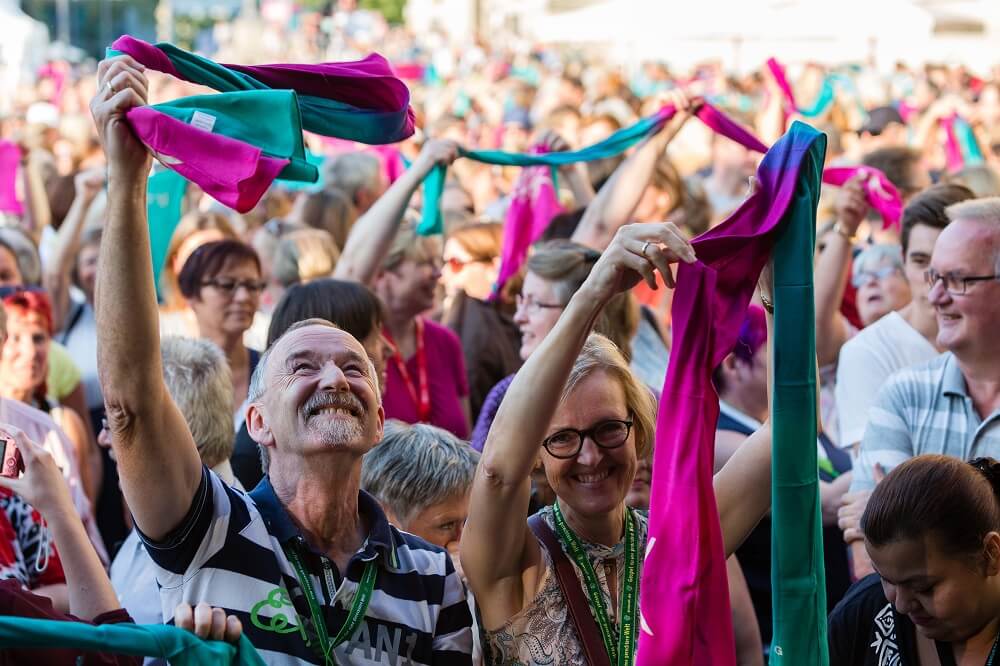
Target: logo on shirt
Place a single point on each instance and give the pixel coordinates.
(277, 599)
(884, 645)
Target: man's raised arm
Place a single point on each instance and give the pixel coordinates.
(157, 460)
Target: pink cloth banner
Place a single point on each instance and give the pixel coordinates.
(533, 204)
(880, 193)
(233, 172)
(10, 162)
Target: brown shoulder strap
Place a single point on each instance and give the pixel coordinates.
(576, 601)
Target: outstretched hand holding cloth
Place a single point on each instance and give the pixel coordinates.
(220, 142)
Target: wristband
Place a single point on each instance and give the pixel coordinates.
(839, 228)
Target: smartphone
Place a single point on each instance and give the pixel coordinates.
(13, 463)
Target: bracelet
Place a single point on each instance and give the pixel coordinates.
(840, 229)
(766, 302)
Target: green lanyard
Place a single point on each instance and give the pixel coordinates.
(359, 606)
(624, 652)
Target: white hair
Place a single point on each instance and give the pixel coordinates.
(198, 378)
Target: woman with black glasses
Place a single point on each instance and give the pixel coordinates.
(222, 284)
(563, 588)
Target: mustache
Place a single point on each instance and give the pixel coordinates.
(347, 401)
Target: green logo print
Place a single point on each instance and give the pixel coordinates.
(278, 622)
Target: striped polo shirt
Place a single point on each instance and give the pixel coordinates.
(229, 551)
(925, 408)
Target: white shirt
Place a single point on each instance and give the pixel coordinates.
(866, 361)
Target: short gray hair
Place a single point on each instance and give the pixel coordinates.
(985, 211)
(351, 172)
(876, 254)
(29, 264)
(416, 466)
(199, 380)
(257, 386)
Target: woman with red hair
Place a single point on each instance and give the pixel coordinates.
(24, 364)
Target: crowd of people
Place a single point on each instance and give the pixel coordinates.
(314, 427)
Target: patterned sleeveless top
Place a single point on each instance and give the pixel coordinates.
(543, 632)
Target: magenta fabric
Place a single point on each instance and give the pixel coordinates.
(147, 54)
(778, 72)
(392, 161)
(533, 204)
(684, 603)
(727, 127)
(880, 193)
(368, 83)
(233, 172)
(10, 161)
(446, 378)
(952, 151)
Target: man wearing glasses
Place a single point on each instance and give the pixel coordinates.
(950, 404)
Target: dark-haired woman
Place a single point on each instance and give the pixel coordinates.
(222, 283)
(932, 531)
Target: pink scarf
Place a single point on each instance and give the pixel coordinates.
(10, 161)
(880, 193)
(533, 204)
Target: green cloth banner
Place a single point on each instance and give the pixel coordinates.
(164, 199)
(798, 582)
(178, 646)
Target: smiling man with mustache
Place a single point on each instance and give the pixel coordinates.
(307, 561)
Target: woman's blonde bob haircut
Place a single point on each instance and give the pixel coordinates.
(599, 354)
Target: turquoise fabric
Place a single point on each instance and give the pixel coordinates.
(178, 646)
(246, 116)
(164, 198)
(797, 565)
(967, 141)
(431, 221)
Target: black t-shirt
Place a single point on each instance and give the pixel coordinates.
(864, 629)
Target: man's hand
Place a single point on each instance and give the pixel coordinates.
(852, 506)
(208, 623)
(851, 206)
(121, 85)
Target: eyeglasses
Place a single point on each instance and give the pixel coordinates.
(608, 434)
(531, 306)
(228, 286)
(864, 277)
(955, 284)
(14, 290)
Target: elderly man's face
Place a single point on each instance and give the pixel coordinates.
(967, 323)
(321, 395)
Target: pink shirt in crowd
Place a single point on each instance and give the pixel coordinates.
(446, 378)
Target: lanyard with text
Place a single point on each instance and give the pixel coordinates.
(623, 653)
(421, 393)
(359, 606)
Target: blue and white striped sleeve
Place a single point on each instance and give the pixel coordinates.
(452, 643)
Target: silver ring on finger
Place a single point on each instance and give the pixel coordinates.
(644, 246)
(111, 89)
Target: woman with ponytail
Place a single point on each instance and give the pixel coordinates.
(932, 530)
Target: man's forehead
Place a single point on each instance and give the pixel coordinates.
(967, 236)
(318, 339)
